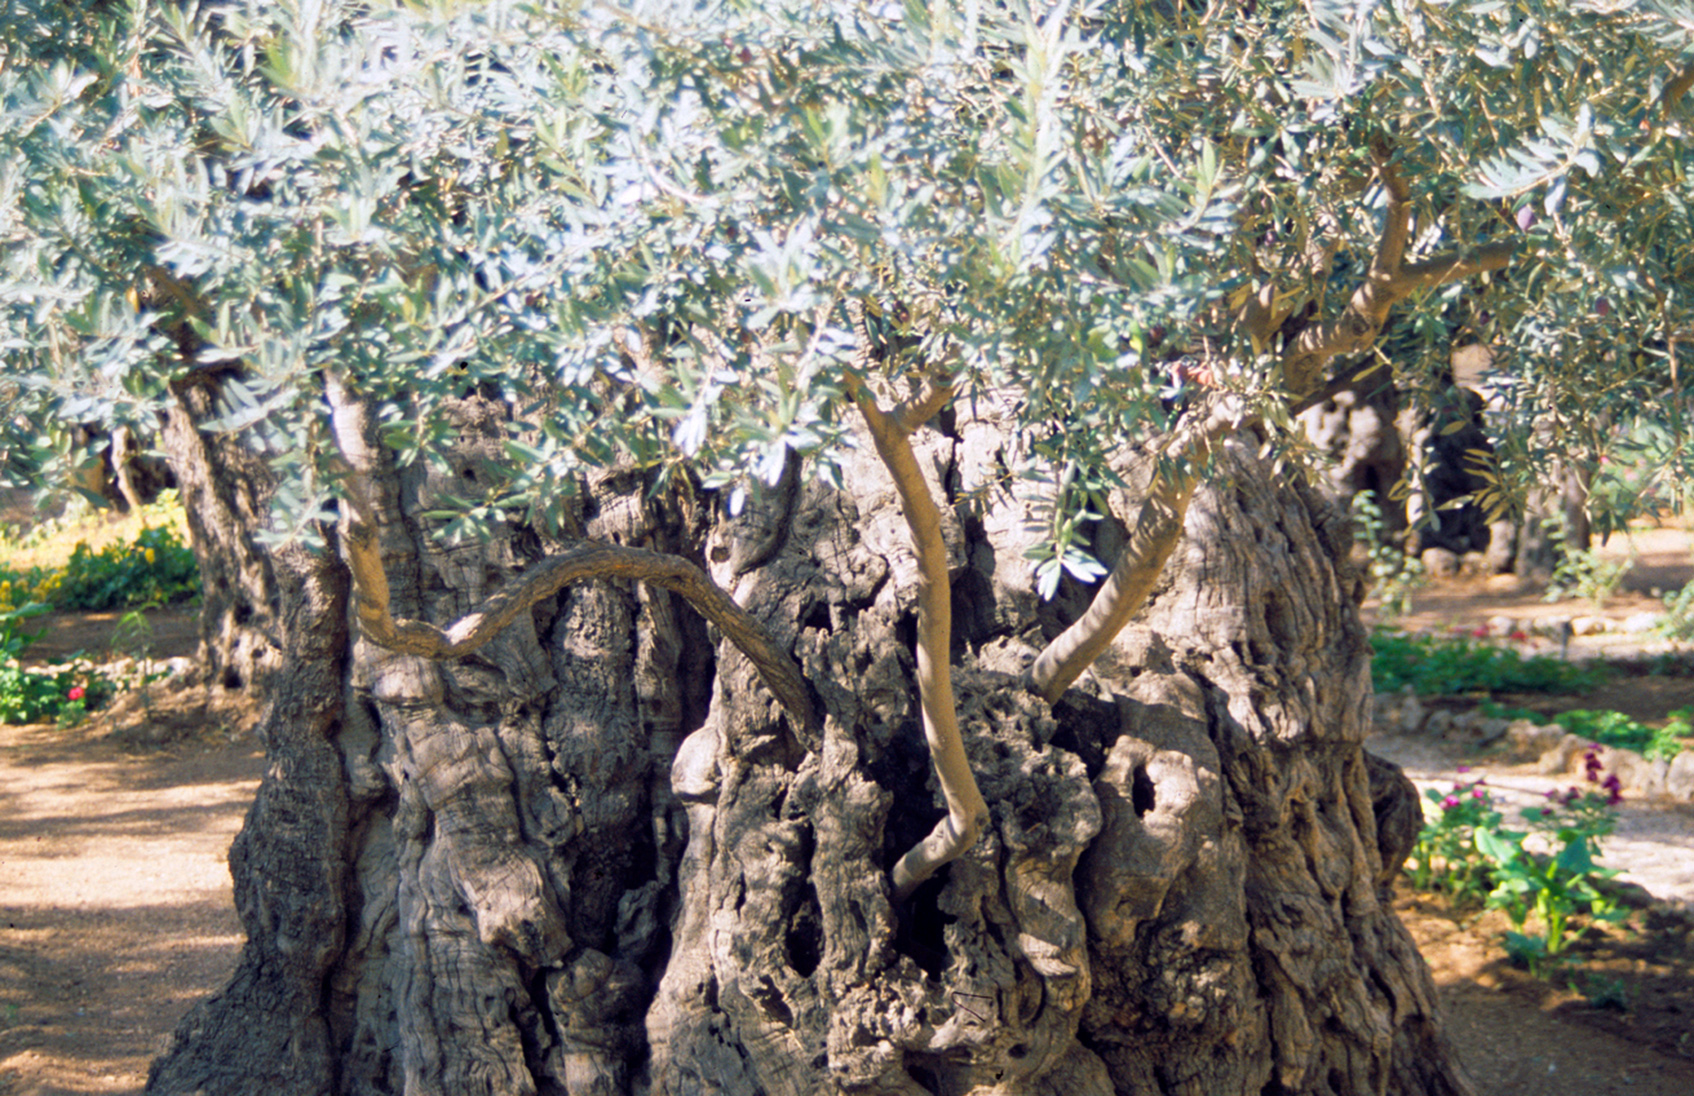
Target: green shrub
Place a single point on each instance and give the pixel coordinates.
(35, 696)
(155, 569)
(1617, 729)
(1448, 666)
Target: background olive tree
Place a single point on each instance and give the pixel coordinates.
(553, 388)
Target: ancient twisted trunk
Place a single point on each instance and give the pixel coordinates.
(597, 857)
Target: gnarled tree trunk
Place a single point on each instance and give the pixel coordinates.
(597, 856)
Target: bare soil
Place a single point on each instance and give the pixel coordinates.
(116, 912)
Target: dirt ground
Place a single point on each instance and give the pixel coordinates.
(115, 902)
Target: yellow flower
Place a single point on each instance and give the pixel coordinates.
(149, 554)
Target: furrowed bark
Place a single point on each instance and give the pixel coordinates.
(967, 811)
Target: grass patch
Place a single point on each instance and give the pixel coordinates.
(1456, 665)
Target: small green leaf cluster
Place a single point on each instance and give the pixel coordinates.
(1583, 572)
(31, 695)
(1617, 729)
(1394, 575)
(1555, 886)
(1467, 853)
(1454, 665)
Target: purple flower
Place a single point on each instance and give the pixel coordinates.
(1462, 769)
(1478, 793)
(1450, 802)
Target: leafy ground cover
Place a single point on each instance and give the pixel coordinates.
(136, 562)
(139, 560)
(1451, 665)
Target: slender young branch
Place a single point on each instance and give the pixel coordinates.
(582, 562)
(1172, 473)
(967, 811)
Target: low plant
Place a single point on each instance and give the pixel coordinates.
(1560, 884)
(64, 695)
(1678, 621)
(153, 567)
(153, 570)
(13, 637)
(1583, 572)
(1394, 576)
(1445, 857)
(1610, 728)
(1451, 665)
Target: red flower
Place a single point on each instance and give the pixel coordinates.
(1518, 636)
(77, 693)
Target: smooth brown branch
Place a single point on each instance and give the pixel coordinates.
(583, 562)
(1389, 281)
(967, 811)
(1172, 472)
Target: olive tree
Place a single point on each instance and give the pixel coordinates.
(770, 534)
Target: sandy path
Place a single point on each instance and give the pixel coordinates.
(115, 904)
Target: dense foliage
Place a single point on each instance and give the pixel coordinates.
(641, 221)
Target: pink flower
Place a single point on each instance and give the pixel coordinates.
(1481, 631)
(1462, 769)
(77, 693)
(1478, 793)
(1450, 802)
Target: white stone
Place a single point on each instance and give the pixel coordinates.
(1632, 770)
(1679, 780)
(1636, 623)
(1531, 739)
(1411, 715)
(1439, 562)
(1558, 759)
(1589, 626)
(1654, 780)
(1502, 625)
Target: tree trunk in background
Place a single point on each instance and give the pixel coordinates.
(594, 859)
(1357, 429)
(226, 490)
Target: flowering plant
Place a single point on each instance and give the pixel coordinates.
(1562, 883)
(1445, 856)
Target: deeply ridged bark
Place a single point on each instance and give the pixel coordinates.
(595, 856)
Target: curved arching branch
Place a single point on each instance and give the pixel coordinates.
(1389, 281)
(582, 562)
(967, 811)
(1171, 473)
